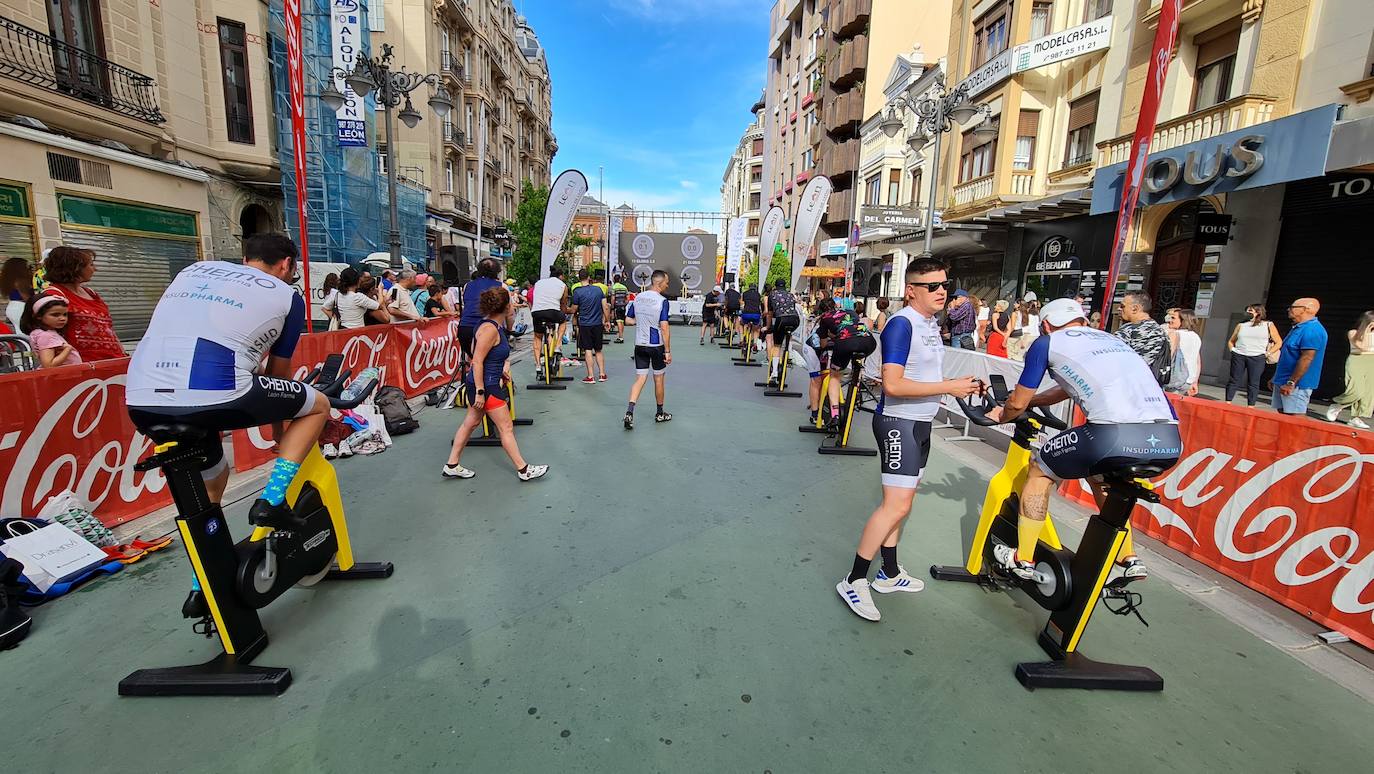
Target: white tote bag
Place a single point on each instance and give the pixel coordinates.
(50, 554)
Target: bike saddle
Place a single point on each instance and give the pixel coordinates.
(177, 432)
(1139, 470)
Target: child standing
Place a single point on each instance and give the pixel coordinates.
(44, 318)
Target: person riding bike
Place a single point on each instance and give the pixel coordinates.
(1129, 421)
(751, 310)
(200, 363)
(848, 339)
(780, 311)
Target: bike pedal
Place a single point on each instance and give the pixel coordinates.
(205, 626)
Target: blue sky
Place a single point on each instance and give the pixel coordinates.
(657, 91)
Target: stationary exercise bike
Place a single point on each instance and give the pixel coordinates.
(236, 579)
(553, 365)
(1066, 583)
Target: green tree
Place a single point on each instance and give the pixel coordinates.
(528, 232)
(779, 269)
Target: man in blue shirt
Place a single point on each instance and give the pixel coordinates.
(590, 306)
(1300, 359)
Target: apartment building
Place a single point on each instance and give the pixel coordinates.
(741, 189)
(499, 133)
(141, 130)
(591, 222)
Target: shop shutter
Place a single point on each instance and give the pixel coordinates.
(1321, 256)
(1083, 112)
(131, 272)
(1217, 43)
(16, 241)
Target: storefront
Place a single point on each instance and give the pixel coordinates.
(1062, 257)
(17, 235)
(138, 247)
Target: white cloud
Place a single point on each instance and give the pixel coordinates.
(690, 185)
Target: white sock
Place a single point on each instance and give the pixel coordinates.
(774, 366)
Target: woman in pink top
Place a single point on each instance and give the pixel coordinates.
(90, 328)
(45, 316)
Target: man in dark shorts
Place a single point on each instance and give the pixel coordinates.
(780, 310)
(653, 349)
(591, 309)
(732, 307)
(751, 310)
(710, 308)
(549, 309)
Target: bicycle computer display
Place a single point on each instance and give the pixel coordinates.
(999, 387)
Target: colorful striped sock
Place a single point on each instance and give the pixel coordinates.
(283, 473)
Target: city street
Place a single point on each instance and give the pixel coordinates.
(662, 601)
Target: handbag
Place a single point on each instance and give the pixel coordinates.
(1272, 357)
(51, 553)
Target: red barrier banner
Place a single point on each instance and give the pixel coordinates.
(1282, 504)
(66, 428)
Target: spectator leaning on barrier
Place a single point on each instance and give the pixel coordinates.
(1147, 337)
(331, 294)
(1300, 358)
(90, 327)
(1359, 375)
(44, 318)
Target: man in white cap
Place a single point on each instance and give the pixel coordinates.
(709, 311)
(1129, 421)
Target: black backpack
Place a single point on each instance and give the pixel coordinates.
(391, 402)
(1163, 365)
(14, 624)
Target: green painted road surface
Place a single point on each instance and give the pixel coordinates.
(639, 610)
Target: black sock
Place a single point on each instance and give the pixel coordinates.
(631, 409)
(890, 568)
(660, 408)
(860, 568)
(524, 469)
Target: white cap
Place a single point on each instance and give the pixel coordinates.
(1030, 296)
(1061, 312)
(716, 288)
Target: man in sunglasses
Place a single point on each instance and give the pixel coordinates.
(913, 381)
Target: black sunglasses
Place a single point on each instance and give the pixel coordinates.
(933, 286)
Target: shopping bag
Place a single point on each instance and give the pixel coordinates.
(50, 554)
(66, 508)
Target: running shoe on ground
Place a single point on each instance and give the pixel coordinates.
(1333, 412)
(538, 374)
(1006, 556)
(772, 383)
(329, 451)
(605, 378)
(859, 599)
(588, 379)
(532, 472)
(902, 582)
(663, 416)
(457, 471)
(620, 341)
(1360, 423)
(1132, 567)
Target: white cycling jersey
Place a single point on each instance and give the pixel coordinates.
(912, 341)
(209, 333)
(648, 310)
(1109, 381)
(548, 294)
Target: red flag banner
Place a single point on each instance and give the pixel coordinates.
(1160, 57)
(295, 76)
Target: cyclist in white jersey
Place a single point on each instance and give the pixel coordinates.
(913, 381)
(653, 347)
(200, 363)
(1129, 420)
(550, 313)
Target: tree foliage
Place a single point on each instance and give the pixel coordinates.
(779, 269)
(528, 232)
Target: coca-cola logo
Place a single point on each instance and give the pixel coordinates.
(360, 352)
(434, 356)
(1251, 524)
(59, 452)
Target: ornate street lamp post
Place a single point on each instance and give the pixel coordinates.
(393, 87)
(936, 114)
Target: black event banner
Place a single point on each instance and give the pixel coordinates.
(689, 259)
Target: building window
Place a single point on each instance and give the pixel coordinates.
(977, 158)
(448, 176)
(1082, 124)
(873, 190)
(990, 33)
(468, 116)
(472, 186)
(1096, 9)
(894, 187)
(1027, 127)
(808, 159)
(1040, 19)
(916, 188)
(381, 160)
(753, 227)
(1216, 62)
(754, 200)
(238, 102)
(756, 175)
(758, 147)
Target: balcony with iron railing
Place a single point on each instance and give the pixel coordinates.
(455, 137)
(1237, 113)
(39, 59)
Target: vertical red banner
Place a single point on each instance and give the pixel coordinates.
(1160, 57)
(295, 66)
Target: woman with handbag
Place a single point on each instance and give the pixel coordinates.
(1187, 348)
(1253, 344)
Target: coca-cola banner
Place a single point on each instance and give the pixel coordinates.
(1281, 504)
(67, 428)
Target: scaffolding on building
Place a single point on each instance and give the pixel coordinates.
(346, 195)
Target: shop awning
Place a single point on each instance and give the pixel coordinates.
(1352, 146)
(1062, 205)
(951, 241)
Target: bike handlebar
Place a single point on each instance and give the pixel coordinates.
(978, 415)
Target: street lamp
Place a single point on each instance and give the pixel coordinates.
(935, 115)
(393, 87)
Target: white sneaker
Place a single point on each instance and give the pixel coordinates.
(857, 596)
(329, 451)
(457, 471)
(344, 449)
(532, 472)
(1333, 412)
(901, 582)
(1006, 556)
(1133, 568)
(1360, 423)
